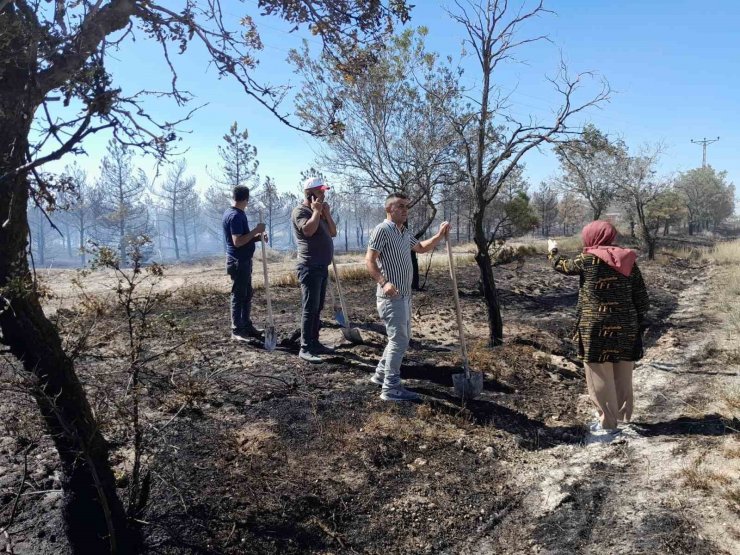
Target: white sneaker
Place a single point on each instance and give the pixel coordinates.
(399, 394)
(601, 435)
(377, 379)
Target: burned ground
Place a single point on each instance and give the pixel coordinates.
(256, 452)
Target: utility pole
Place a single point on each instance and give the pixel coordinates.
(704, 144)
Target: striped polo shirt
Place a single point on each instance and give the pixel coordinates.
(394, 260)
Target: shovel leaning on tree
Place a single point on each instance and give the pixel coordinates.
(270, 335)
(468, 384)
(349, 333)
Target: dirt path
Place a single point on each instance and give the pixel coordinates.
(658, 490)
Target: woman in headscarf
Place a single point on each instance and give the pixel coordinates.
(612, 311)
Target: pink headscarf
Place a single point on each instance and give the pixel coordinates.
(597, 240)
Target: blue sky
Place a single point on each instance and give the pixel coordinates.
(673, 65)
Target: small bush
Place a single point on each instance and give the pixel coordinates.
(526, 250)
(504, 255)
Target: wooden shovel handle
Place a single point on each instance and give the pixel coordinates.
(458, 312)
(339, 290)
(267, 281)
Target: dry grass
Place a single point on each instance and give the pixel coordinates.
(196, 293)
(724, 253)
(352, 273)
(352, 270)
(668, 255)
(732, 496)
(485, 359)
(704, 479)
(287, 279)
(727, 287)
(568, 244)
(731, 398)
(463, 257)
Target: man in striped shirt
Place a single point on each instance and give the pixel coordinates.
(388, 261)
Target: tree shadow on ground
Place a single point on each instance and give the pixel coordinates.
(534, 434)
(438, 374)
(442, 375)
(539, 303)
(708, 425)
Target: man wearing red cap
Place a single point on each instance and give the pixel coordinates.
(314, 231)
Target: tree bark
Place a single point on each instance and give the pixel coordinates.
(495, 323)
(346, 234)
(93, 515)
(82, 246)
(174, 229)
(488, 283)
(415, 269)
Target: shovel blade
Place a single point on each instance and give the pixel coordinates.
(352, 334)
(270, 338)
(339, 317)
(468, 385)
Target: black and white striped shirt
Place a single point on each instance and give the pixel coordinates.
(394, 260)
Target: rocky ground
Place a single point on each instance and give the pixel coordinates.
(256, 452)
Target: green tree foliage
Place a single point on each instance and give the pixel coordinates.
(237, 166)
(639, 188)
(121, 188)
(391, 132)
(178, 196)
(707, 196)
(589, 165)
(667, 211)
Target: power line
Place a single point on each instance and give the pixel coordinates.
(704, 142)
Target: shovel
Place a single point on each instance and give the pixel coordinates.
(470, 384)
(350, 334)
(270, 335)
(338, 314)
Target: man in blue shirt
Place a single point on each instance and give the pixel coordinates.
(240, 241)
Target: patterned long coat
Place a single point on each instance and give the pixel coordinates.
(612, 308)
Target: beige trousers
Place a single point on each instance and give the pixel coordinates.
(610, 389)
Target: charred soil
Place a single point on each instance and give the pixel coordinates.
(256, 452)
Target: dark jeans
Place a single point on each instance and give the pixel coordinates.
(240, 272)
(313, 281)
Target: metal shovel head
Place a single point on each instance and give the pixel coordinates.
(270, 338)
(468, 385)
(352, 334)
(339, 317)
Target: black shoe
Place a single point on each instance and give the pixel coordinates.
(238, 335)
(319, 349)
(310, 357)
(253, 332)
